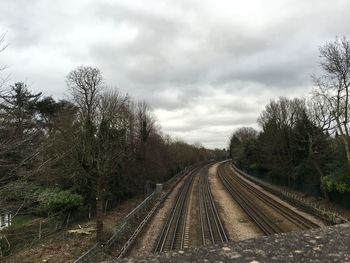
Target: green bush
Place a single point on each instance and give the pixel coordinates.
(254, 167)
(327, 184)
(335, 182)
(343, 187)
(55, 200)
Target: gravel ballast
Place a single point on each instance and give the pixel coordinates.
(237, 223)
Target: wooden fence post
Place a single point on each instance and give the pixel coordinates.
(68, 220)
(39, 236)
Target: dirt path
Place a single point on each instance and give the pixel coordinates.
(237, 223)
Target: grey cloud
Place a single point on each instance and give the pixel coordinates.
(202, 66)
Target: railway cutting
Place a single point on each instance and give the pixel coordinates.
(196, 217)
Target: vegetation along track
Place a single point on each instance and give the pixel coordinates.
(175, 234)
(243, 193)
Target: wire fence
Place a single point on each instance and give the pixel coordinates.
(126, 232)
(27, 234)
(307, 206)
(121, 233)
(168, 184)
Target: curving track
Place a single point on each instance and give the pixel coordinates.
(212, 228)
(245, 194)
(175, 233)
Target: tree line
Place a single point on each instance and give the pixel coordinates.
(97, 146)
(303, 143)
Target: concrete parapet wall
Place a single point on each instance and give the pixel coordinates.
(329, 244)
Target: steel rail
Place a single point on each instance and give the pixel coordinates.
(212, 228)
(217, 219)
(241, 190)
(297, 219)
(172, 234)
(265, 223)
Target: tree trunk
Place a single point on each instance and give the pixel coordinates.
(314, 162)
(289, 184)
(99, 210)
(347, 148)
(326, 196)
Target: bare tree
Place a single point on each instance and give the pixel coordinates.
(85, 84)
(319, 112)
(145, 121)
(333, 86)
(238, 140)
(103, 115)
(145, 126)
(278, 120)
(284, 112)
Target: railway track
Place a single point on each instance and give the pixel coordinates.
(212, 228)
(175, 233)
(297, 219)
(244, 193)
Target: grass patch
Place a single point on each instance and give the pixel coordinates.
(21, 220)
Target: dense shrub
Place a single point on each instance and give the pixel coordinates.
(55, 200)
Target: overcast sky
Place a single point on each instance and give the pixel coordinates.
(205, 66)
